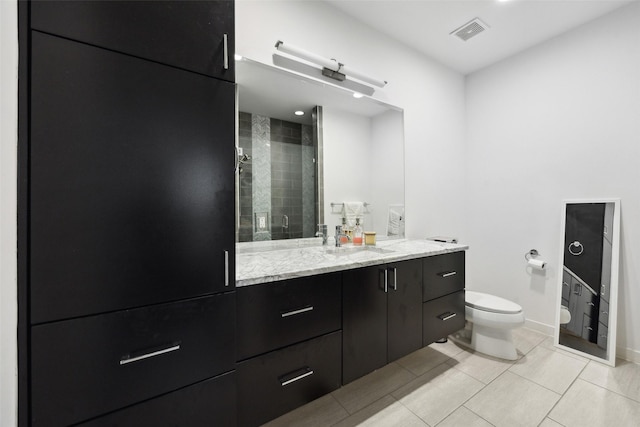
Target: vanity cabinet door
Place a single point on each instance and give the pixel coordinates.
(185, 34)
(277, 382)
(364, 322)
(443, 316)
(208, 403)
(131, 182)
(274, 315)
(404, 308)
(443, 274)
(92, 365)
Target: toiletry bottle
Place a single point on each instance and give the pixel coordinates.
(345, 231)
(357, 233)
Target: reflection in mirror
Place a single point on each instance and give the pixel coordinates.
(297, 171)
(586, 320)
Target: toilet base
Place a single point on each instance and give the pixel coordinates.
(493, 342)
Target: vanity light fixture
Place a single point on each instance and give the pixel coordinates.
(330, 67)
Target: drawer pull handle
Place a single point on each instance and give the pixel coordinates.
(225, 53)
(588, 328)
(294, 312)
(565, 284)
(447, 316)
(591, 304)
(226, 268)
(605, 312)
(128, 359)
(447, 274)
(297, 378)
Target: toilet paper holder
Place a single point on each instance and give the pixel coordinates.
(532, 253)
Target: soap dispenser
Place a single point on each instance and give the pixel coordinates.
(357, 233)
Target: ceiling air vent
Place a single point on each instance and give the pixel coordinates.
(470, 29)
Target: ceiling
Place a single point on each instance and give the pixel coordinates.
(514, 25)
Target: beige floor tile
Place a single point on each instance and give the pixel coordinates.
(464, 417)
(586, 404)
(384, 412)
(436, 394)
(511, 401)
(321, 412)
(422, 360)
(549, 368)
(526, 339)
(480, 366)
(366, 390)
(623, 379)
(548, 343)
(449, 348)
(548, 422)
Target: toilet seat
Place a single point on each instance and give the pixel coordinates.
(491, 303)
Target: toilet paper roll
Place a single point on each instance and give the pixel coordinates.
(537, 264)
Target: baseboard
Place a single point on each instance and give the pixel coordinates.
(543, 328)
(628, 354)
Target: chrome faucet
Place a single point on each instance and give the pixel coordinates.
(322, 232)
(340, 234)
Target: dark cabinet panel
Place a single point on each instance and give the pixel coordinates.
(277, 382)
(132, 183)
(274, 315)
(185, 34)
(364, 322)
(443, 274)
(405, 309)
(93, 365)
(443, 316)
(208, 403)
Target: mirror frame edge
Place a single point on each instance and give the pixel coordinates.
(613, 300)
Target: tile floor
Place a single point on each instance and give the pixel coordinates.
(446, 385)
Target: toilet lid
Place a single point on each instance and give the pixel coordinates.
(492, 303)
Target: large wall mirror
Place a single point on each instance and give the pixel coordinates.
(298, 170)
(587, 308)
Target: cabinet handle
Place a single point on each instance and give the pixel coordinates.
(386, 280)
(225, 47)
(605, 312)
(446, 316)
(591, 304)
(565, 284)
(296, 378)
(447, 274)
(128, 359)
(395, 279)
(589, 328)
(226, 268)
(294, 312)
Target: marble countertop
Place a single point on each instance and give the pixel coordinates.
(263, 262)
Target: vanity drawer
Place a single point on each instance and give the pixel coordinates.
(277, 382)
(90, 366)
(442, 275)
(208, 403)
(274, 315)
(442, 317)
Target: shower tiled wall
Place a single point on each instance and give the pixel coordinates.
(278, 180)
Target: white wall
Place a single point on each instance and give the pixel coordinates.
(8, 197)
(558, 121)
(431, 95)
(347, 140)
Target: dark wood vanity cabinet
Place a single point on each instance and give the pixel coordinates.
(382, 316)
(192, 35)
(288, 344)
(127, 137)
(444, 302)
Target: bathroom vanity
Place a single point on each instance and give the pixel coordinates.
(312, 318)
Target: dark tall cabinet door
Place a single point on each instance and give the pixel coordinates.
(404, 309)
(185, 34)
(131, 182)
(364, 322)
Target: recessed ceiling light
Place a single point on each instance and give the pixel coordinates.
(299, 113)
(357, 95)
(237, 57)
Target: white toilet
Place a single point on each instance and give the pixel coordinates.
(491, 320)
